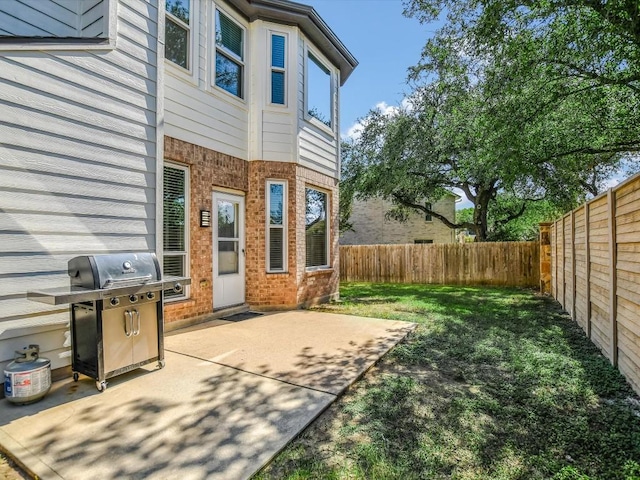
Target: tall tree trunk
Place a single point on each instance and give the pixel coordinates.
(480, 212)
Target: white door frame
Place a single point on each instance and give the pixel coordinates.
(229, 288)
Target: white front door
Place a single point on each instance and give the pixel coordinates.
(228, 250)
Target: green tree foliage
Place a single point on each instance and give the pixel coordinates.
(513, 102)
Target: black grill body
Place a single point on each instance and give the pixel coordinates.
(112, 335)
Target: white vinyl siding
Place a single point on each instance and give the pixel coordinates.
(318, 145)
(78, 169)
(199, 113)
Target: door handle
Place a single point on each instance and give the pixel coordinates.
(136, 328)
(128, 321)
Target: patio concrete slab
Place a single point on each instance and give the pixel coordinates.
(323, 351)
(198, 419)
(190, 420)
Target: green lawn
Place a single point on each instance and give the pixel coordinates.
(495, 383)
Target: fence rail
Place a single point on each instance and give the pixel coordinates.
(500, 263)
(595, 273)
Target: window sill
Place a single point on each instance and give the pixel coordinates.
(176, 300)
(273, 274)
(318, 125)
(313, 271)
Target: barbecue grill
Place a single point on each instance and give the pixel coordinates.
(116, 312)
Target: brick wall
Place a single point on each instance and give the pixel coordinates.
(207, 169)
(267, 291)
(371, 227)
(264, 291)
(319, 285)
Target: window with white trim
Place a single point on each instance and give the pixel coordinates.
(276, 198)
(278, 72)
(177, 29)
(229, 74)
(175, 223)
(49, 21)
(316, 228)
(318, 90)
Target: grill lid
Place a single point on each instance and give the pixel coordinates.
(113, 270)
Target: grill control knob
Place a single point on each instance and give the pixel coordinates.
(114, 301)
(151, 295)
(133, 298)
(177, 288)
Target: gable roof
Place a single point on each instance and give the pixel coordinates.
(308, 20)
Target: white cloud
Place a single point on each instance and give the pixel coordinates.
(355, 130)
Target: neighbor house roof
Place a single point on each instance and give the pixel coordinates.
(308, 20)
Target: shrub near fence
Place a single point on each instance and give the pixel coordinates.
(500, 263)
(595, 269)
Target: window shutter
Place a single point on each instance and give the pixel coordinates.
(174, 209)
(276, 250)
(229, 35)
(277, 51)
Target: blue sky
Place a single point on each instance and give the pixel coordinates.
(385, 43)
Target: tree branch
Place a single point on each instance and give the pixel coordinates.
(404, 201)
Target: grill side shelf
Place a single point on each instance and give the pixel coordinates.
(65, 295)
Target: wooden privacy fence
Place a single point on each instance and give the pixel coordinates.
(595, 273)
(501, 263)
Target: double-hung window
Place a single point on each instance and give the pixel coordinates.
(276, 197)
(178, 32)
(278, 72)
(176, 223)
(427, 216)
(316, 228)
(229, 55)
(318, 91)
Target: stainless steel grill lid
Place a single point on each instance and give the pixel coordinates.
(113, 270)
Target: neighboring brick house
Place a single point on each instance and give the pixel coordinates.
(203, 130)
(370, 226)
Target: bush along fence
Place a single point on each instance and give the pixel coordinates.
(500, 263)
(591, 265)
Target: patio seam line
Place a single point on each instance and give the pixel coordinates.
(252, 373)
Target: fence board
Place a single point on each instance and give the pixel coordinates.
(500, 263)
(596, 273)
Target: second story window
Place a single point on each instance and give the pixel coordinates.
(318, 90)
(278, 49)
(178, 32)
(229, 55)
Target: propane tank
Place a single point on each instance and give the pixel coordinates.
(28, 378)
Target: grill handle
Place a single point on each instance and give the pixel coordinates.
(136, 327)
(128, 321)
(125, 282)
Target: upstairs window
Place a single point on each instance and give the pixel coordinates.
(276, 226)
(178, 32)
(316, 228)
(176, 223)
(229, 55)
(54, 21)
(278, 77)
(427, 216)
(318, 88)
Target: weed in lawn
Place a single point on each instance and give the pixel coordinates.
(494, 383)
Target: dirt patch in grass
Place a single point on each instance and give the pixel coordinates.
(493, 384)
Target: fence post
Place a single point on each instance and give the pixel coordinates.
(573, 266)
(545, 257)
(587, 254)
(613, 278)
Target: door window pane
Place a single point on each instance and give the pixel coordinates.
(227, 219)
(227, 257)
